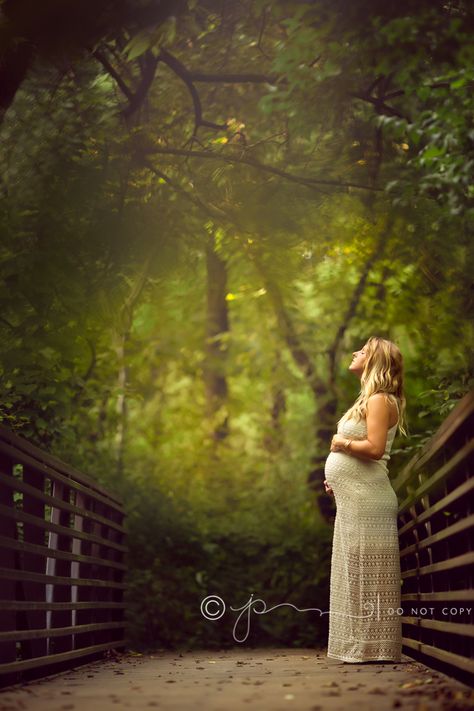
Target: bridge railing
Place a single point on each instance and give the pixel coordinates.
(62, 551)
(436, 520)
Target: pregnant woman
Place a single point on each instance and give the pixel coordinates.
(365, 585)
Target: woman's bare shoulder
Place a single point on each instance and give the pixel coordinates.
(382, 396)
(379, 398)
(388, 399)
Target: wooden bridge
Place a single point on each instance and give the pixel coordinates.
(62, 626)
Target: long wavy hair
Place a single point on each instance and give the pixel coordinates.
(383, 373)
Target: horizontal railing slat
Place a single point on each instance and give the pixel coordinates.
(18, 515)
(13, 574)
(55, 463)
(19, 635)
(442, 655)
(39, 605)
(463, 489)
(450, 627)
(48, 552)
(18, 485)
(438, 476)
(454, 420)
(448, 428)
(447, 595)
(19, 457)
(25, 664)
(456, 562)
(455, 528)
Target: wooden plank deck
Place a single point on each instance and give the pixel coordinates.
(240, 678)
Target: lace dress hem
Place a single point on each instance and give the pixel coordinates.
(384, 658)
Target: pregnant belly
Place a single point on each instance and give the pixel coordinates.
(338, 464)
(365, 483)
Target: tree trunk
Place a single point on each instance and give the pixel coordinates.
(123, 371)
(324, 428)
(273, 439)
(216, 348)
(121, 404)
(14, 65)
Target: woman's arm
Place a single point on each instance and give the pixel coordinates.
(377, 418)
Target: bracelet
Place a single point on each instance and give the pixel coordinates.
(347, 444)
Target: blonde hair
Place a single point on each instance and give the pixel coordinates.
(383, 373)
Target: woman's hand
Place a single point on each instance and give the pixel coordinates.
(328, 488)
(337, 443)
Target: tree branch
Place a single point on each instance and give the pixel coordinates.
(379, 105)
(210, 210)
(308, 182)
(148, 69)
(378, 94)
(148, 74)
(233, 78)
(8, 324)
(100, 56)
(93, 362)
(181, 71)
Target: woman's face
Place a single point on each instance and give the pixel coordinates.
(358, 361)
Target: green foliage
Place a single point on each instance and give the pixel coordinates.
(174, 566)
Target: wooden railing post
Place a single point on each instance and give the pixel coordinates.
(8, 619)
(61, 593)
(78, 548)
(32, 589)
(85, 593)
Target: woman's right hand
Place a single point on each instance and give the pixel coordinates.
(328, 488)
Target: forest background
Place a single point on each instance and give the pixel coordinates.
(205, 208)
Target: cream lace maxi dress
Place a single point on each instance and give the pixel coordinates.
(365, 584)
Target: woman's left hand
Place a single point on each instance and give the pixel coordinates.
(337, 443)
